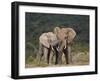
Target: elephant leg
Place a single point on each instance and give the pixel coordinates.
(45, 54)
(69, 55)
(52, 57)
(56, 54)
(40, 55)
(48, 55)
(58, 59)
(66, 55)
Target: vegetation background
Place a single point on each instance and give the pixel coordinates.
(38, 23)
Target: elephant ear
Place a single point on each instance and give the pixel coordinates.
(52, 39)
(70, 33)
(44, 40)
(56, 30)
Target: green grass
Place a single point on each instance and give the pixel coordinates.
(80, 47)
(79, 51)
(34, 62)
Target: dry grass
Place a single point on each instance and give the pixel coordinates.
(80, 58)
(79, 52)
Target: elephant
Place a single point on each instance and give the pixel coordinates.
(59, 42)
(65, 37)
(48, 42)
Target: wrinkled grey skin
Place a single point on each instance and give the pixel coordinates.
(48, 44)
(65, 37)
(58, 42)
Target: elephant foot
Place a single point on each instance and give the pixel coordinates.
(50, 64)
(56, 63)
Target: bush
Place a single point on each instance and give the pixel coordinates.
(30, 59)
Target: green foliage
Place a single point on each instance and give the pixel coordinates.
(29, 59)
(80, 47)
(38, 23)
(34, 62)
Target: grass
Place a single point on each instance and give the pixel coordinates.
(80, 56)
(34, 62)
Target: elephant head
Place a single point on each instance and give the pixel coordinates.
(65, 37)
(47, 42)
(47, 39)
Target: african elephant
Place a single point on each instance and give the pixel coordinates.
(48, 42)
(65, 37)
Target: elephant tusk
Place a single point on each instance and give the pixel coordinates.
(64, 46)
(57, 49)
(52, 48)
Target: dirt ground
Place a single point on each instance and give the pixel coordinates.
(78, 59)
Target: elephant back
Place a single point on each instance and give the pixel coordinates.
(47, 39)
